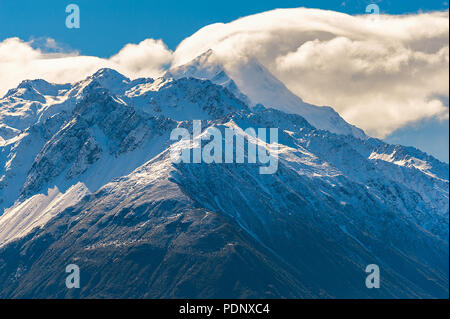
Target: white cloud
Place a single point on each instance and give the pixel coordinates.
(147, 58)
(379, 72)
(20, 61)
(377, 86)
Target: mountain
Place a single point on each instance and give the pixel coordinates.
(254, 84)
(87, 178)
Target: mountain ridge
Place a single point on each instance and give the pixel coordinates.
(90, 181)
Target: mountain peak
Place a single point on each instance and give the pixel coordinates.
(204, 67)
(252, 82)
(108, 73)
(110, 79)
(32, 89)
(33, 83)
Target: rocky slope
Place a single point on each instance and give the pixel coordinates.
(86, 177)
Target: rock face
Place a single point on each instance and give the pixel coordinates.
(86, 178)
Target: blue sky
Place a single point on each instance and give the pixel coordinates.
(430, 135)
(117, 23)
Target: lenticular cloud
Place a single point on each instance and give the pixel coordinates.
(378, 72)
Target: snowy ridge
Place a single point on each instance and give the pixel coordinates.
(86, 175)
(254, 84)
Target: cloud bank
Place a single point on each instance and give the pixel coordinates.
(20, 60)
(379, 72)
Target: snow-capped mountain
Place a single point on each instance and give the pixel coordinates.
(253, 83)
(86, 177)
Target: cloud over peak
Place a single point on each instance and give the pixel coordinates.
(20, 60)
(379, 72)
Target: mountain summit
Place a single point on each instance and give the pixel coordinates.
(253, 81)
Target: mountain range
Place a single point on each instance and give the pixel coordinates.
(86, 178)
